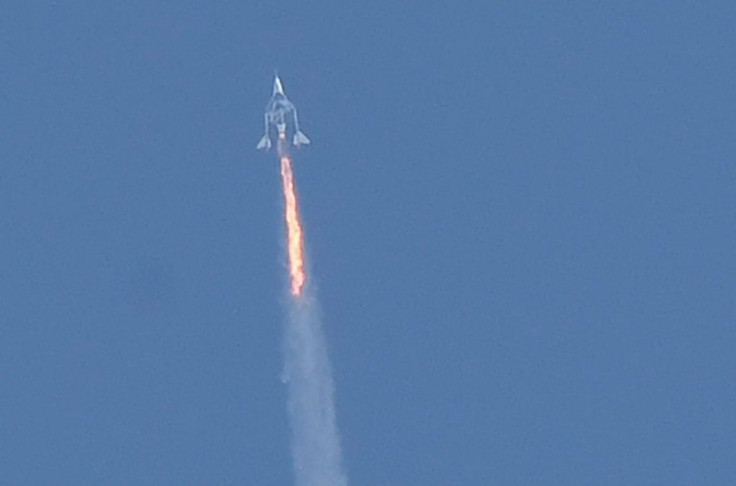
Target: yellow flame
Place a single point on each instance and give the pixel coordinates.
(294, 229)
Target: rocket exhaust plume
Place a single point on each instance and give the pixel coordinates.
(315, 438)
(295, 245)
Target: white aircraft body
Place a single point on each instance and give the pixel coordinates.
(279, 118)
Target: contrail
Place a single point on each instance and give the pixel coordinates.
(315, 439)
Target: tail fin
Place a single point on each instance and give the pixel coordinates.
(300, 139)
(265, 143)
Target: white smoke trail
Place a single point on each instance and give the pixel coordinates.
(315, 439)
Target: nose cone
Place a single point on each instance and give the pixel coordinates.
(277, 88)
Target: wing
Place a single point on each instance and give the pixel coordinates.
(264, 144)
(301, 139)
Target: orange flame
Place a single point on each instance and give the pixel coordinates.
(294, 229)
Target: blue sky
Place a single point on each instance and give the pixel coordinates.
(520, 219)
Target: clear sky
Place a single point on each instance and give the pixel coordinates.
(520, 220)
